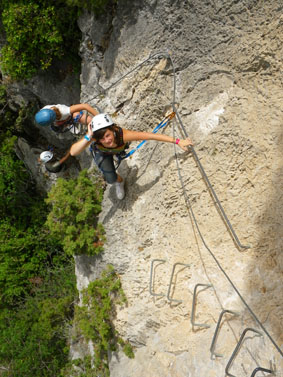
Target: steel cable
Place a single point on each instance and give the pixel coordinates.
(197, 226)
(166, 54)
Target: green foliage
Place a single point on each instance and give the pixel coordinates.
(128, 350)
(26, 249)
(37, 280)
(8, 116)
(73, 218)
(34, 336)
(94, 319)
(40, 31)
(14, 181)
(33, 39)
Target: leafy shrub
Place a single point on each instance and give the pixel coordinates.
(34, 336)
(14, 181)
(94, 319)
(26, 248)
(25, 256)
(39, 31)
(73, 218)
(33, 38)
(37, 280)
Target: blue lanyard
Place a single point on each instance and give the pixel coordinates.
(162, 124)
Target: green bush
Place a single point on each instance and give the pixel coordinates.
(75, 205)
(15, 184)
(24, 256)
(37, 280)
(34, 336)
(26, 248)
(94, 319)
(33, 39)
(40, 31)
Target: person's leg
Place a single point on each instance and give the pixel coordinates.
(106, 164)
(63, 159)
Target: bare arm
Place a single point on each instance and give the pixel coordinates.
(82, 144)
(136, 136)
(83, 106)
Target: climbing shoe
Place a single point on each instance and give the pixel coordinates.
(120, 192)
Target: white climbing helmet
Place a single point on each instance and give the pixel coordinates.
(46, 156)
(100, 121)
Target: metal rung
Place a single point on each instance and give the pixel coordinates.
(261, 369)
(213, 343)
(151, 278)
(172, 274)
(194, 305)
(236, 350)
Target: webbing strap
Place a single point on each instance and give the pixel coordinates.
(162, 124)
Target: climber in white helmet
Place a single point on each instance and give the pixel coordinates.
(107, 139)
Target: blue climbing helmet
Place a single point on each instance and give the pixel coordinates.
(45, 117)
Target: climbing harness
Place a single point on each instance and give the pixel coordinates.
(68, 125)
(121, 156)
(161, 125)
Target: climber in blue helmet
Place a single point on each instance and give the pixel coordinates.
(107, 139)
(63, 118)
(60, 116)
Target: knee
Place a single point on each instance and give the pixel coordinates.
(111, 178)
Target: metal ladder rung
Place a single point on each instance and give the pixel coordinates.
(261, 369)
(170, 284)
(194, 305)
(215, 336)
(151, 278)
(237, 349)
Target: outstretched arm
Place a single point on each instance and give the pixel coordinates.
(83, 106)
(136, 136)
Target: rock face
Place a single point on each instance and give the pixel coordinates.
(228, 71)
(226, 82)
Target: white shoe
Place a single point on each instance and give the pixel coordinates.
(120, 192)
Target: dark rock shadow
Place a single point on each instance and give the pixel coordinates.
(128, 14)
(268, 263)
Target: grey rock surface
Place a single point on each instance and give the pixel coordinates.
(228, 62)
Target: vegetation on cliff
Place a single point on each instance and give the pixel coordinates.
(39, 237)
(41, 31)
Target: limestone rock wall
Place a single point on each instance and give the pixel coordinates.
(227, 87)
(228, 61)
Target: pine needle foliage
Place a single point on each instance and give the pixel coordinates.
(94, 318)
(75, 206)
